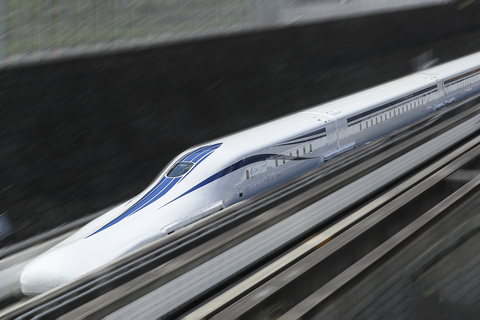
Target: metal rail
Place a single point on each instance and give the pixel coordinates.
(293, 197)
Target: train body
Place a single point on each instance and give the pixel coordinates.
(213, 176)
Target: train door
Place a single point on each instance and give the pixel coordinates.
(333, 141)
(334, 148)
(440, 99)
(254, 181)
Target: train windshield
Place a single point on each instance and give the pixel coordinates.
(179, 169)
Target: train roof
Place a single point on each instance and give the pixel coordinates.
(456, 67)
(374, 97)
(290, 126)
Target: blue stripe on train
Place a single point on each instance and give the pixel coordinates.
(162, 186)
(308, 135)
(238, 165)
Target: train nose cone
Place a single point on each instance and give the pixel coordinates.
(42, 273)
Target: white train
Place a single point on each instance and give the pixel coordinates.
(208, 178)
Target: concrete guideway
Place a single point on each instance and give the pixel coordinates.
(151, 295)
(400, 207)
(434, 276)
(177, 282)
(327, 238)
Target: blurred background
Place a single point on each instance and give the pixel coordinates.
(45, 28)
(97, 96)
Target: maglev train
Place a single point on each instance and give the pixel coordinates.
(207, 178)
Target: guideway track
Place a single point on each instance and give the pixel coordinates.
(145, 272)
(337, 257)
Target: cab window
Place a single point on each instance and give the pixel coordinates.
(179, 169)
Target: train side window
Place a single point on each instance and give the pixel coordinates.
(376, 120)
(248, 174)
(360, 126)
(371, 122)
(283, 159)
(304, 151)
(394, 112)
(366, 123)
(298, 154)
(276, 162)
(311, 148)
(291, 156)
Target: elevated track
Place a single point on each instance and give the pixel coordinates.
(235, 254)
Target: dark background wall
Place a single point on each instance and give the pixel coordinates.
(80, 134)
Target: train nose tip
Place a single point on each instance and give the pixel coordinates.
(42, 273)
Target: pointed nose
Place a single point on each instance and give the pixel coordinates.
(42, 273)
